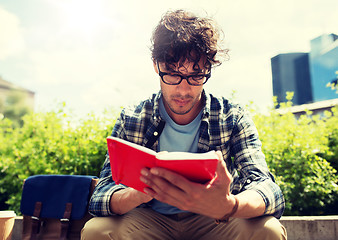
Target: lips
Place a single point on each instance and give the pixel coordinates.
(181, 102)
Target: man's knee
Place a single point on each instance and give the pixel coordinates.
(268, 228)
(88, 231)
(98, 228)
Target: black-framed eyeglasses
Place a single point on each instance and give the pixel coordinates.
(176, 79)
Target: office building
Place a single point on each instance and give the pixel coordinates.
(291, 73)
(323, 66)
(307, 74)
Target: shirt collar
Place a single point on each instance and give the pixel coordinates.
(207, 104)
(156, 110)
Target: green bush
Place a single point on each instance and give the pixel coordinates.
(50, 143)
(295, 151)
(332, 129)
(302, 153)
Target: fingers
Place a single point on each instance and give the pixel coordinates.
(162, 180)
(166, 186)
(164, 197)
(174, 189)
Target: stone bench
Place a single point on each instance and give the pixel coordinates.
(311, 228)
(298, 228)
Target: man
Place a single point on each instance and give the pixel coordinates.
(242, 201)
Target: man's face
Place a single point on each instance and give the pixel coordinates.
(182, 102)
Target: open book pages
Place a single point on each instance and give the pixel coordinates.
(186, 155)
(168, 155)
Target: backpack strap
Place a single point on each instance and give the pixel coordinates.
(36, 220)
(65, 221)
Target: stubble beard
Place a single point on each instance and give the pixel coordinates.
(178, 111)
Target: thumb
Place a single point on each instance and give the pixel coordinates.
(222, 173)
(161, 153)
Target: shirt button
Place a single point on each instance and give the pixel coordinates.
(248, 181)
(155, 134)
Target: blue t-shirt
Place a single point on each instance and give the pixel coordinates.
(176, 138)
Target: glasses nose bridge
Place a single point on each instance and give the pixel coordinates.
(184, 78)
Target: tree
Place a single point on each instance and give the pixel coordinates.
(14, 107)
(334, 83)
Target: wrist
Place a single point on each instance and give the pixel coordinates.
(226, 217)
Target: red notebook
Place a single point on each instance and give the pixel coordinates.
(127, 159)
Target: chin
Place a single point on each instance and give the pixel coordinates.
(180, 111)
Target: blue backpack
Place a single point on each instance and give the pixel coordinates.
(55, 206)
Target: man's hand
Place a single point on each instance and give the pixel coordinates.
(212, 199)
(126, 199)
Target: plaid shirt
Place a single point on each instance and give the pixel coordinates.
(225, 127)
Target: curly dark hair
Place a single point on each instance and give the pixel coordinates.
(181, 36)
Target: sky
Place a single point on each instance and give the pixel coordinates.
(94, 54)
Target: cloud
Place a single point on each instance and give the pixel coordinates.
(257, 30)
(11, 40)
(95, 56)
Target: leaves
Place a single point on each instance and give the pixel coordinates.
(302, 153)
(50, 143)
(296, 151)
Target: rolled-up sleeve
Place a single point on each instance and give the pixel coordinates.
(99, 204)
(252, 168)
(272, 196)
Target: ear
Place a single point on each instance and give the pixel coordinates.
(155, 67)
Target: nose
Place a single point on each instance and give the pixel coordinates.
(184, 86)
